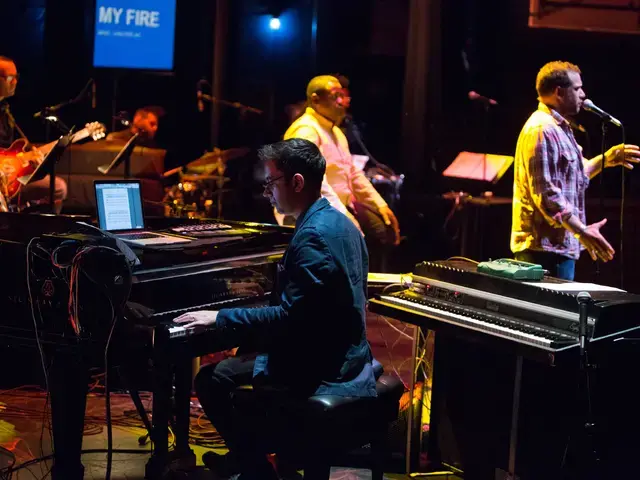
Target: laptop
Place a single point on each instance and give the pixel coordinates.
(119, 211)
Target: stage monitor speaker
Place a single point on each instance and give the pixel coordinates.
(616, 16)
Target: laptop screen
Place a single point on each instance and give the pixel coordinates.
(119, 205)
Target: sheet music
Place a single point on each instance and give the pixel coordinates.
(359, 161)
(575, 287)
(117, 210)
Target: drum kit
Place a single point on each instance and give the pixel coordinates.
(201, 185)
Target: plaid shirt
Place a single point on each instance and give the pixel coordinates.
(549, 185)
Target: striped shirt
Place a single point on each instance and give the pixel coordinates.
(549, 185)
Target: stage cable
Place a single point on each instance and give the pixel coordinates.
(623, 190)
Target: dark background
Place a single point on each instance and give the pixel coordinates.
(366, 40)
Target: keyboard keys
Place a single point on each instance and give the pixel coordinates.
(501, 326)
(137, 236)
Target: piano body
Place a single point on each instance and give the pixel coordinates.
(218, 271)
(508, 395)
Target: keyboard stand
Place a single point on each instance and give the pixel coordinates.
(513, 433)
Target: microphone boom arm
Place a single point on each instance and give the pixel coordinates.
(238, 105)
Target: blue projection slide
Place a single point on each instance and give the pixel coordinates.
(134, 34)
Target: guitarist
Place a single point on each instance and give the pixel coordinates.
(36, 193)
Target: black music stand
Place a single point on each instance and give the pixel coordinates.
(474, 171)
(48, 167)
(123, 156)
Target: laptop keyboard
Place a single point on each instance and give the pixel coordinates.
(137, 236)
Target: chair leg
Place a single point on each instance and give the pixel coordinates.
(379, 453)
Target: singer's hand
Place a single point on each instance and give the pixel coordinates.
(390, 220)
(625, 155)
(595, 243)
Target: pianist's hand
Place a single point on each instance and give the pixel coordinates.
(197, 320)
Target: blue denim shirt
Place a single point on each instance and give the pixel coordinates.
(314, 341)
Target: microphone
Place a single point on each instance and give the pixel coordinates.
(591, 107)
(93, 94)
(46, 111)
(583, 301)
(475, 96)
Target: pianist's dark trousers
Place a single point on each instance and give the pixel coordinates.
(559, 266)
(246, 433)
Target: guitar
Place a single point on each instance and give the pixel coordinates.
(16, 162)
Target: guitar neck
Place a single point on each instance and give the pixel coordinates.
(80, 135)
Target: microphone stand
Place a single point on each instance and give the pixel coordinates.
(603, 149)
(238, 105)
(47, 112)
(588, 458)
(47, 115)
(14, 124)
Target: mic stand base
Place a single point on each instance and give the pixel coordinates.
(585, 463)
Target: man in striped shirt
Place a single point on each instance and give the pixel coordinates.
(551, 176)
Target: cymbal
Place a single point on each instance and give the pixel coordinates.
(210, 159)
(197, 177)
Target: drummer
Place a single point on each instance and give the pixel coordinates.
(145, 122)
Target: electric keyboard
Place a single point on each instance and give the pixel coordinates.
(510, 350)
(502, 326)
(454, 297)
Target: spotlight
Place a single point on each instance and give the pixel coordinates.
(274, 23)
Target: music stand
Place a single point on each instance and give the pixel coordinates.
(123, 155)
(474, 170)
(479, 166)
(48, 167)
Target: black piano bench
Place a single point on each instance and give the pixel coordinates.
(314, 436)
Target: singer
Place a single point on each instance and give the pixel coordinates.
(551, 176)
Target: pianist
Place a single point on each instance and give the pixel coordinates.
(314, 341)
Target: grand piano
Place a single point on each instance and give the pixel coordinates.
(73, 291)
